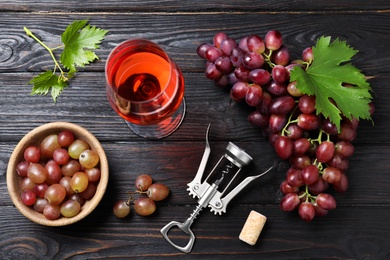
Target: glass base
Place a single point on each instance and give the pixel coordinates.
(162, 129)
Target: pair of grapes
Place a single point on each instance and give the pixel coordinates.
(58, 175)
(258, 71)
(143, 205)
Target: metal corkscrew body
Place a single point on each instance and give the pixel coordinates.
(215, 191)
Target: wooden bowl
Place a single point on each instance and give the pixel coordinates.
(34, 138)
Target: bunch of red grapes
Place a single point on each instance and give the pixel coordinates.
(258, 71)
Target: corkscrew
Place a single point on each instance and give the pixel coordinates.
(215, 191)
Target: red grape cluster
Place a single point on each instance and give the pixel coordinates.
(59, 175)
(144, 205)
(259, 72)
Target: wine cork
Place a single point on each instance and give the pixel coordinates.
(252, 227)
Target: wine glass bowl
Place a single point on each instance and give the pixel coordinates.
(145, 87)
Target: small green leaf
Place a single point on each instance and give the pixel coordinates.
(339, 87)
(79, 40)
(42, 83)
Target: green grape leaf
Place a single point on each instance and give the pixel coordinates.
(42, 83)
(339, 87)
(80, 39)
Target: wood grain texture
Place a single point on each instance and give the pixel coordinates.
(357, 229)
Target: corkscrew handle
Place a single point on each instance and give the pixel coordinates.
(185, 227)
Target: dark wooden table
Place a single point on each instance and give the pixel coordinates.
(359, 227)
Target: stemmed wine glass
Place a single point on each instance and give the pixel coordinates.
(146, 88)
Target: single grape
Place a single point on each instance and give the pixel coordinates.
(37, 173)
(320, 212)
(289, 202)
(89, 192)
(144, 206)
(306, 211)
(253, 60)
(277, 89)
(157, 191)
(77, 147)
(143, 182)
(259, 76)
(339, 162)
(258, 119)
(325, 151)
(310, 174)
(77, 197)
(224, 64)
(253, 95)
(238, 91)
(53, 170)
(89, 159)
(307, 104)
(281, 56)
(279, 74)
(121, 209)
(326, 201)
(21, 168)
(282, 105)
(52, 211)
(40, 189)
(55, 194)
(307, 54)
(49, 145)
(61, 156)
(294, 177)
(277, 122)
(32, 154)
(284, 147)
(40, 204)
(347, 133)
(27, 184)
(70, 208)
(266, 101)
(28, 197)
(79, 182)
(331, 174)
(70, 168)
(65, 138)
(329, 127)
(227, 46)
(212, 53)
(93, 174)
(255, 44)
(293, 90)
(273, 40)
(65, 182)
(301, 146)
(243, 44)
(308, 122)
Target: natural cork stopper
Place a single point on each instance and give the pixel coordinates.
(252, 227)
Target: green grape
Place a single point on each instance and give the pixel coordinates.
(70, 208)
(49, 145)
(79, 182)
(121, 209)
(89, 159)
(157, 191)
(144, 206)
(55, 194)
(77, 147)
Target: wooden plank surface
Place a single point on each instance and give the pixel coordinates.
(357, 229)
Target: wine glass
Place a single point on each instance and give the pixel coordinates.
(146, 88)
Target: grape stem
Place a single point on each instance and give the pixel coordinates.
(63, 76)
